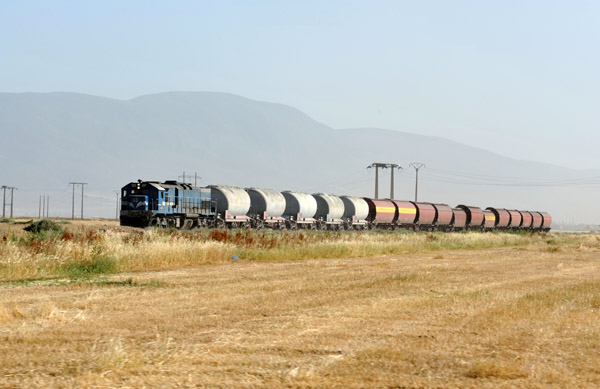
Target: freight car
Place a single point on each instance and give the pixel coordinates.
(173, 204)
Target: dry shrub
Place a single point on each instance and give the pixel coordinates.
(134, 238)
(134, 250)
(67, 236)
(218, 235)
(91, 236)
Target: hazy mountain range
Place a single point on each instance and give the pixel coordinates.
(49, 140)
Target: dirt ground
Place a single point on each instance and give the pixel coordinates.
(504, 317)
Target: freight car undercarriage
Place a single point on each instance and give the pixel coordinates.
(187, 222)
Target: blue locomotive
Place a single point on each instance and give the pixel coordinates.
(167, 204)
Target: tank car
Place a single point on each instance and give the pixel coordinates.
(231, 205)
(489, 220)
(382, 213)
(443, 217)
(475, 217)
(330, 210)
(425, 216)
(300, 210)
(538, 220)
(406, 214)
(266, 208)
(503, 217)
(546, 221)
(516, 220)
(356, 212)
(527, 220)
(459, 219)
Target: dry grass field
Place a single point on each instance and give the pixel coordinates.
(101, 306)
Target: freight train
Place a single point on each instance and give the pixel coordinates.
(173, 204)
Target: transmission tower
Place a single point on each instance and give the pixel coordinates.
(417, 166)
(73, 205)
(190, 176)
(12, 191)
(378, 165)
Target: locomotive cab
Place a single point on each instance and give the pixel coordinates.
(138, 200)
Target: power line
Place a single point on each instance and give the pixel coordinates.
(483, 179)
(528, 183)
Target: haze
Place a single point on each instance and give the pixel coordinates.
(519, 78)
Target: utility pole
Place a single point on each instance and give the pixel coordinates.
(4, 188)
(48, 206)
(195, 178)
(12, 189)
(393, 166)
(378, 165)
(73, 204)
(40, 209)
(417, 166)
(82, 184)
(117, 212)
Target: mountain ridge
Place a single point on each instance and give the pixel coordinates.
(61, 137)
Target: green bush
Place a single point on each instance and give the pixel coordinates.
(44, 225)
(100, 264)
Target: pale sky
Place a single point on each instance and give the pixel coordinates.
(519, 78)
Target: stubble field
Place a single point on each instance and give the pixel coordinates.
(102, 306)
